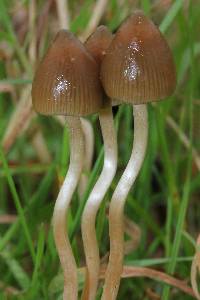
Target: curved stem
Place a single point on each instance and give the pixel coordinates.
(116, 224)
(133, 272)
(94, 202)
(61, 207)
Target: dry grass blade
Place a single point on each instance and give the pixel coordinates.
(9, 290)
(195, 269)
(7, 219)
(197, 102)
(133, 230)
(97, 14)
(41, 149)
(152, 295)
(32, 28)
(63, 14)
(19, 121)
(6, 88)
(129, 271)
(184, 139)
(42, 24)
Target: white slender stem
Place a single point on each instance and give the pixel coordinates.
(88, 157)
(89, 150)
(61, 207)
(116, 218)
(94, 201)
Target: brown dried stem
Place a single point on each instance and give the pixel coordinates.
(130, 271)
(195, 269)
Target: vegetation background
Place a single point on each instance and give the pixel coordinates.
(35, 151)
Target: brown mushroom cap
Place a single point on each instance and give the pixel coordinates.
(67, 80)
(138, 66)
(98, 42)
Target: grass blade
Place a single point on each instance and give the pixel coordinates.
(18, 206)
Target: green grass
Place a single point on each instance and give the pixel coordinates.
(165, 199)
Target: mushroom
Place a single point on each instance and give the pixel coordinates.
(138, 68)
(67, 83)
(97, 43)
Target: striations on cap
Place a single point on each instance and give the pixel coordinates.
(67, 80)
(98, 42)
(138, 66)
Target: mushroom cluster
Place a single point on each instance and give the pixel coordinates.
(133, 66)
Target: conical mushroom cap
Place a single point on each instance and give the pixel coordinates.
(67, 80)
(98, 42)
(138, 66)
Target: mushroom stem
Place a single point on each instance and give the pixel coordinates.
(94, 201)
(88, 157)
(116, 219)
(61, 207)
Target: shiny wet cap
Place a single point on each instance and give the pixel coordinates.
(67, 80)
(138, 67)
